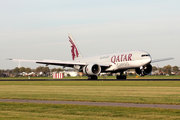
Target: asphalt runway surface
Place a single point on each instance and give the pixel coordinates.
(94, 103)
(89, 80)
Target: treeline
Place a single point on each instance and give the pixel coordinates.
(46, 70)
(166, 69)
(16, 71)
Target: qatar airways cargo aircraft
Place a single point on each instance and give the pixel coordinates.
(114, 62)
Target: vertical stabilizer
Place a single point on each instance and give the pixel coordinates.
(74, 49)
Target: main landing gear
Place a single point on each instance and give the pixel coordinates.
(118, 77)
(121, 76)
(92, 77)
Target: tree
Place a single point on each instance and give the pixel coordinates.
(39, 69)
(154, 68)
(45, 70)
(59, 69)
(27, 70)
(160, 69)
(167, 69)
(10, 72)
(16, 70)
(42, 69)
(1, 72)
(22, 69)
(53, 70)
(56, 70)
(175, 69)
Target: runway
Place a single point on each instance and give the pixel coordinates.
(89, 80)
(94, 103)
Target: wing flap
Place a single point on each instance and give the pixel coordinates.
(61, 63)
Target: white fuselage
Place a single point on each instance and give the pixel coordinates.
(122, 60)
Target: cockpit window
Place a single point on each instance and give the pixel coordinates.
(145, 55)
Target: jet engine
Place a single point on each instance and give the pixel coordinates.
(92, 69)
(144, 70)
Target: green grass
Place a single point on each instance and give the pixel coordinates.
(94, 83)
(163, 92)
(157, 92)
(29, 111)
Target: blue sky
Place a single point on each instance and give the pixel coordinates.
(37, 29)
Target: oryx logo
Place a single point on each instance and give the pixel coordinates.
(74, 49)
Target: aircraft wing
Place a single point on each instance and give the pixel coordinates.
(159, 60)
(61, 63)
(57, 62)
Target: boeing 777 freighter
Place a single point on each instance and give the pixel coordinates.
(114, 63)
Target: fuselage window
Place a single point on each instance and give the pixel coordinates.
(145, 55)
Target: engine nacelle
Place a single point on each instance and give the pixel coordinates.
(92, 69)
(146, 71)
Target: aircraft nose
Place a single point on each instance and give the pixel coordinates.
(146, 61)
(150, 59)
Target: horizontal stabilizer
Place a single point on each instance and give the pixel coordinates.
(22, 60)
(159, 60)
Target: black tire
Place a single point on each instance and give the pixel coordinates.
(92, 77)
(120, 77)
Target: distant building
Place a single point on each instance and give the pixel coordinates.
(72, 73)
(4, 75)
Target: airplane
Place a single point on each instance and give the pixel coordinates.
(113, 63)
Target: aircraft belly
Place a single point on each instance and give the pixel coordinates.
(125, 65)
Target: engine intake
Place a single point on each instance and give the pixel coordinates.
(146, 70)
(92, 69)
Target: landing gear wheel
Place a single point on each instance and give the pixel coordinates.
(92, 77)
(142, 75)
(121, 77)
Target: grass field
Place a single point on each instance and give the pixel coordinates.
(164, 92)
(27, 111)
(158, 92)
